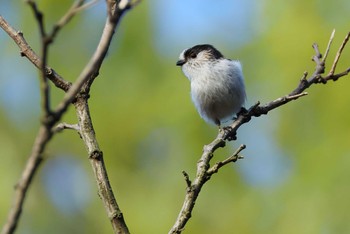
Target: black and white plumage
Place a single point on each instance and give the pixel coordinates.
(217, 84)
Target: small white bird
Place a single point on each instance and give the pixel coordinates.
(217, 85)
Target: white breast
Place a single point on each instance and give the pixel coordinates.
(217, 89)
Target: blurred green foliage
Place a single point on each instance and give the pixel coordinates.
(149, 131)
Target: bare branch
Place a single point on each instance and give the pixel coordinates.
(328, 46)
(60, 127)
(204, 174)
(77, 6)
(38, 16)
(80, 101)
(45, 92)
(337, 76)
(195, 187)
(27, 176)
(96, 159)
(315, 78)
(204, 171)
(82, 85)
(337, 57)
(187, 179)
(233, 158)
(91, 70)
(27, 51)
(65, 19)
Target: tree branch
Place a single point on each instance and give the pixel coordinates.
(91, 70)
(233, 158)
(204, 171)
(337, 57)
(65, 19)
(80, 97)
(329, 45)
(26, 50)
(44, 86)
(105, 191)
(87, 132)
(21, 189)
(60, 127)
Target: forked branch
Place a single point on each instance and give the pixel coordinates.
(204, 171)
(74, 94)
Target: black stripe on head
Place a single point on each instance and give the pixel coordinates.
(195, 50)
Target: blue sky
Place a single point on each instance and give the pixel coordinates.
(231, 23)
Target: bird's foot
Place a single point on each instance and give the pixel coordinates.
(229, 134)
(243, 111)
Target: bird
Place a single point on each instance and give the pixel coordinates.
(217, 83)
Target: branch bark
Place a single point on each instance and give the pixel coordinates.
(105, 191)
(27, 51)
(204, 171)
(21, 188)
(74, 94)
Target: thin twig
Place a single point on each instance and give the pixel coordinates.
(86, 5)
(91, 70)
(329, 46)
(45, 91)
(337, 57)
(335, 77)
(27, 51)
(61, 126)
(317, 58)
(65, 19)
(233, 158)
(187, 179)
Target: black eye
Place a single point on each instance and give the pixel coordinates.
(193, 55)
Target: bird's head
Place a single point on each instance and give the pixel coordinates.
(198, 54)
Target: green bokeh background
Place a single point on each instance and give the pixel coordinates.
(149, 130)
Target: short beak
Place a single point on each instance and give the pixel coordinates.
(180, 62)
